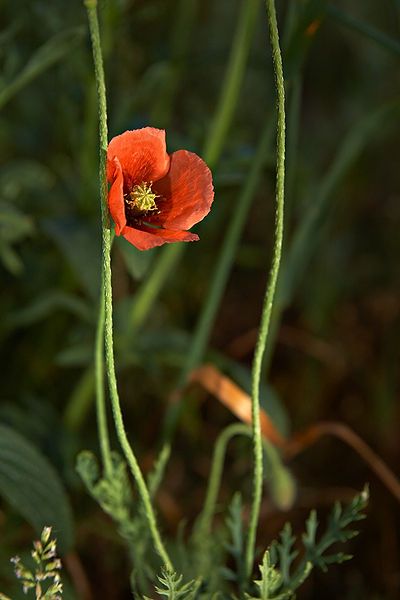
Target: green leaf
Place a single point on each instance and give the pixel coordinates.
(235, 546)
(279, 580)
(113, 493)
(288, 554)
(337, 530)
(51, 52)
(31, 485)
(270, 584)
(173, 588)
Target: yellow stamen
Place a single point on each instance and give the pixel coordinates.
(142, 198)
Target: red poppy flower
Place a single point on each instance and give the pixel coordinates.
(155, 197)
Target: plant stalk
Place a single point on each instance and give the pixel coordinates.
(271, 286)
(91, 6)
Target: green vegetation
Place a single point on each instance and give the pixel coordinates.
(151, 486)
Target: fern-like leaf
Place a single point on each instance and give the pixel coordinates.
(284, 553)
(235, 545)
(278, 579)
(337, 530)
(173, 588)
(270, 586)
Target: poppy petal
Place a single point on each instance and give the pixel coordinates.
(186, 192)
(116, 203)
(144, 238)
(142, 154)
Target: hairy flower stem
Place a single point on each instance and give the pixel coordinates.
(270, 291)
(91, 6)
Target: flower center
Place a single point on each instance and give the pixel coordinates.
(142, 198)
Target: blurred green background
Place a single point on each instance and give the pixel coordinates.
(334, 349)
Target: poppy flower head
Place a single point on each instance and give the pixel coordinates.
(154, 197)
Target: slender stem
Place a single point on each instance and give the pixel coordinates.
(270, 291)
(91, 6)
(293, 122)
(280, 480)
(214, 481)
(101, 412)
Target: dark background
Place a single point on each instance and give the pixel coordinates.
(335, 354)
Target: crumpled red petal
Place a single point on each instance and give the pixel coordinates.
(186, 192)
(116, 203)
(142, 154)
(148, 237)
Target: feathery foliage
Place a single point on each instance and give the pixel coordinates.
(280, 577)
(171, 586)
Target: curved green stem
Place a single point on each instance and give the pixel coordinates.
(280, 480)
(270, 292)
(91, 6)
(293, 122)
(214, 482)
